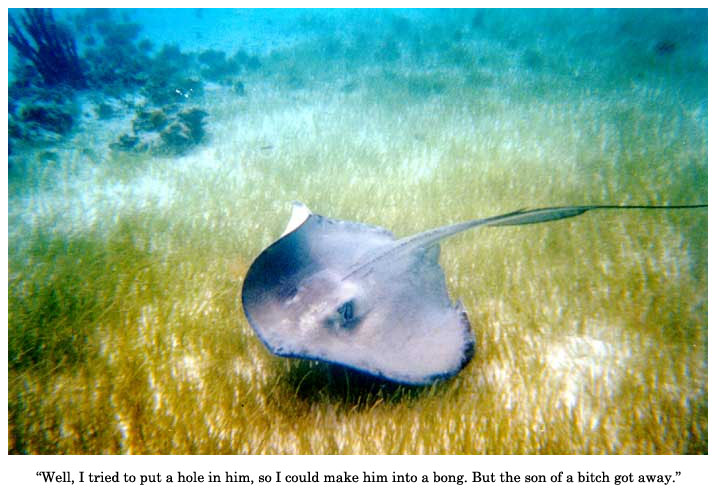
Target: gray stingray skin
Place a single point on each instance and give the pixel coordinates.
(351, 294)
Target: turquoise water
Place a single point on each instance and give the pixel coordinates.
(520, 54)
(152, 163)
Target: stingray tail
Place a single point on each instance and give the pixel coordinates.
(520, 217)
(524, 217)
(540, 215)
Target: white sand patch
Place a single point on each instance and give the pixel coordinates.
(79, 205)
(189, 368)
(579, 364)
(579, 370)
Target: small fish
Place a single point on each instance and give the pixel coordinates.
(352, 294)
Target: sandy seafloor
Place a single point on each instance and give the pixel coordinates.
(126, 333)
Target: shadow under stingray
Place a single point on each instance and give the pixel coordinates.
(313, 381)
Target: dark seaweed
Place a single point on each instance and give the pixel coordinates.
(49, 47)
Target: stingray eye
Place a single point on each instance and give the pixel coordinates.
(346, 312)
(344, 318)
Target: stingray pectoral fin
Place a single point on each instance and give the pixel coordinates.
(299, 214)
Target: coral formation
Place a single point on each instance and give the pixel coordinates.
(117, 73)
(44, 119)
(167, 131)
(216, 67)
(104, 111)
(150, 120)
(183, 133)
(49, 118)
(125, 143)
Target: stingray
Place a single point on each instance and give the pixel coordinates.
(352, 294)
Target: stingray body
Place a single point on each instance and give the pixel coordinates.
(352, 294)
